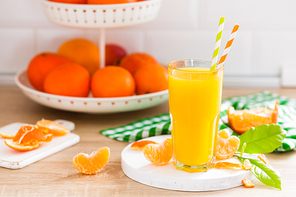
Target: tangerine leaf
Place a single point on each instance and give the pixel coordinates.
(264, 173)
(262, 139)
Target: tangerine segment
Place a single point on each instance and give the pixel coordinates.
(242, 120)
(28, 133)
(52, 127)
(7, 136)
(93, 163)
(159, 154)
(226, 145)
(21, 147)
(140, 145)
(228, 165)
(247, 183)
(263, 158)
(247, 165)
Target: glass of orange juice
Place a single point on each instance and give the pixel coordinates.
(194, 101)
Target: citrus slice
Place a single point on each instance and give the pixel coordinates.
(93, 163)
(7, 136)
(228, 165)
(52, 127)
(159, 154)
(21, 147)
(242, 120)
(247, 183)
(226, 145)
(28, 133)
(247, 165)
(263, 158)
(140, 145)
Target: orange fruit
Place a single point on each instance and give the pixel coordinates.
(159, 154)
(140, 145)
(70, 1)
(112, 81)
(228, 165)
(93, 163)
(133, 62)
(151, 78)
(7, 136)
(226, 145)
(21, 147)
(52, 127)
(247, 183)
(41, 65)
(28, 138)
(247, 165)
(109, 1)
(263, 158)
(69, 79)
(83, 52)
(29, 133)
(241, 121)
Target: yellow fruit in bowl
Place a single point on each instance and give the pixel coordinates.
(83, 52)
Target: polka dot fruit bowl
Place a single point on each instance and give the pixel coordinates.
(90, 104)
(101, 16)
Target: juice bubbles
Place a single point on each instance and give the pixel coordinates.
(194, 99)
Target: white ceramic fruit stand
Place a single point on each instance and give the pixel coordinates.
(96, 17)
(101, 16)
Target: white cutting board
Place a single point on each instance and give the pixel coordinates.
(14, 159)
(135, 166)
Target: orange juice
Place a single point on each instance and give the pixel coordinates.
(194, 100)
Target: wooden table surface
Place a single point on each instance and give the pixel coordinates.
(56, 175)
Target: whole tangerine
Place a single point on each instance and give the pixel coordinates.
(109, 1)
(41, 65)
(70, 1)
(83, 52)
(112, 81)
(151, 78)
(70, 79)
(133, 62)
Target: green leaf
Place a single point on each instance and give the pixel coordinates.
(262, 139)
(264, 173)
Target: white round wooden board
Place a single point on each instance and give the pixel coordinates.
(136, 167)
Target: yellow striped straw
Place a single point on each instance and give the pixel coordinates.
(217, 44)
(228, 45)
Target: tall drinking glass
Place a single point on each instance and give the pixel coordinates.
(194, 100)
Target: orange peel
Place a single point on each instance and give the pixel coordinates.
(241, 121)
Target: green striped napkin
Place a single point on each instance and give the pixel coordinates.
(160, 125)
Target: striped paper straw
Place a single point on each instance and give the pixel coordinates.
(217, 44)
(228, 45)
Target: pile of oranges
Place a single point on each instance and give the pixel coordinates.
(74, 71)
(95, 1)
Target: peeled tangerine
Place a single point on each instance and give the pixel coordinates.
(226, 145)
(159, 154)
(93, 163)
(28, 138)
(242, 120)
(140, 145)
